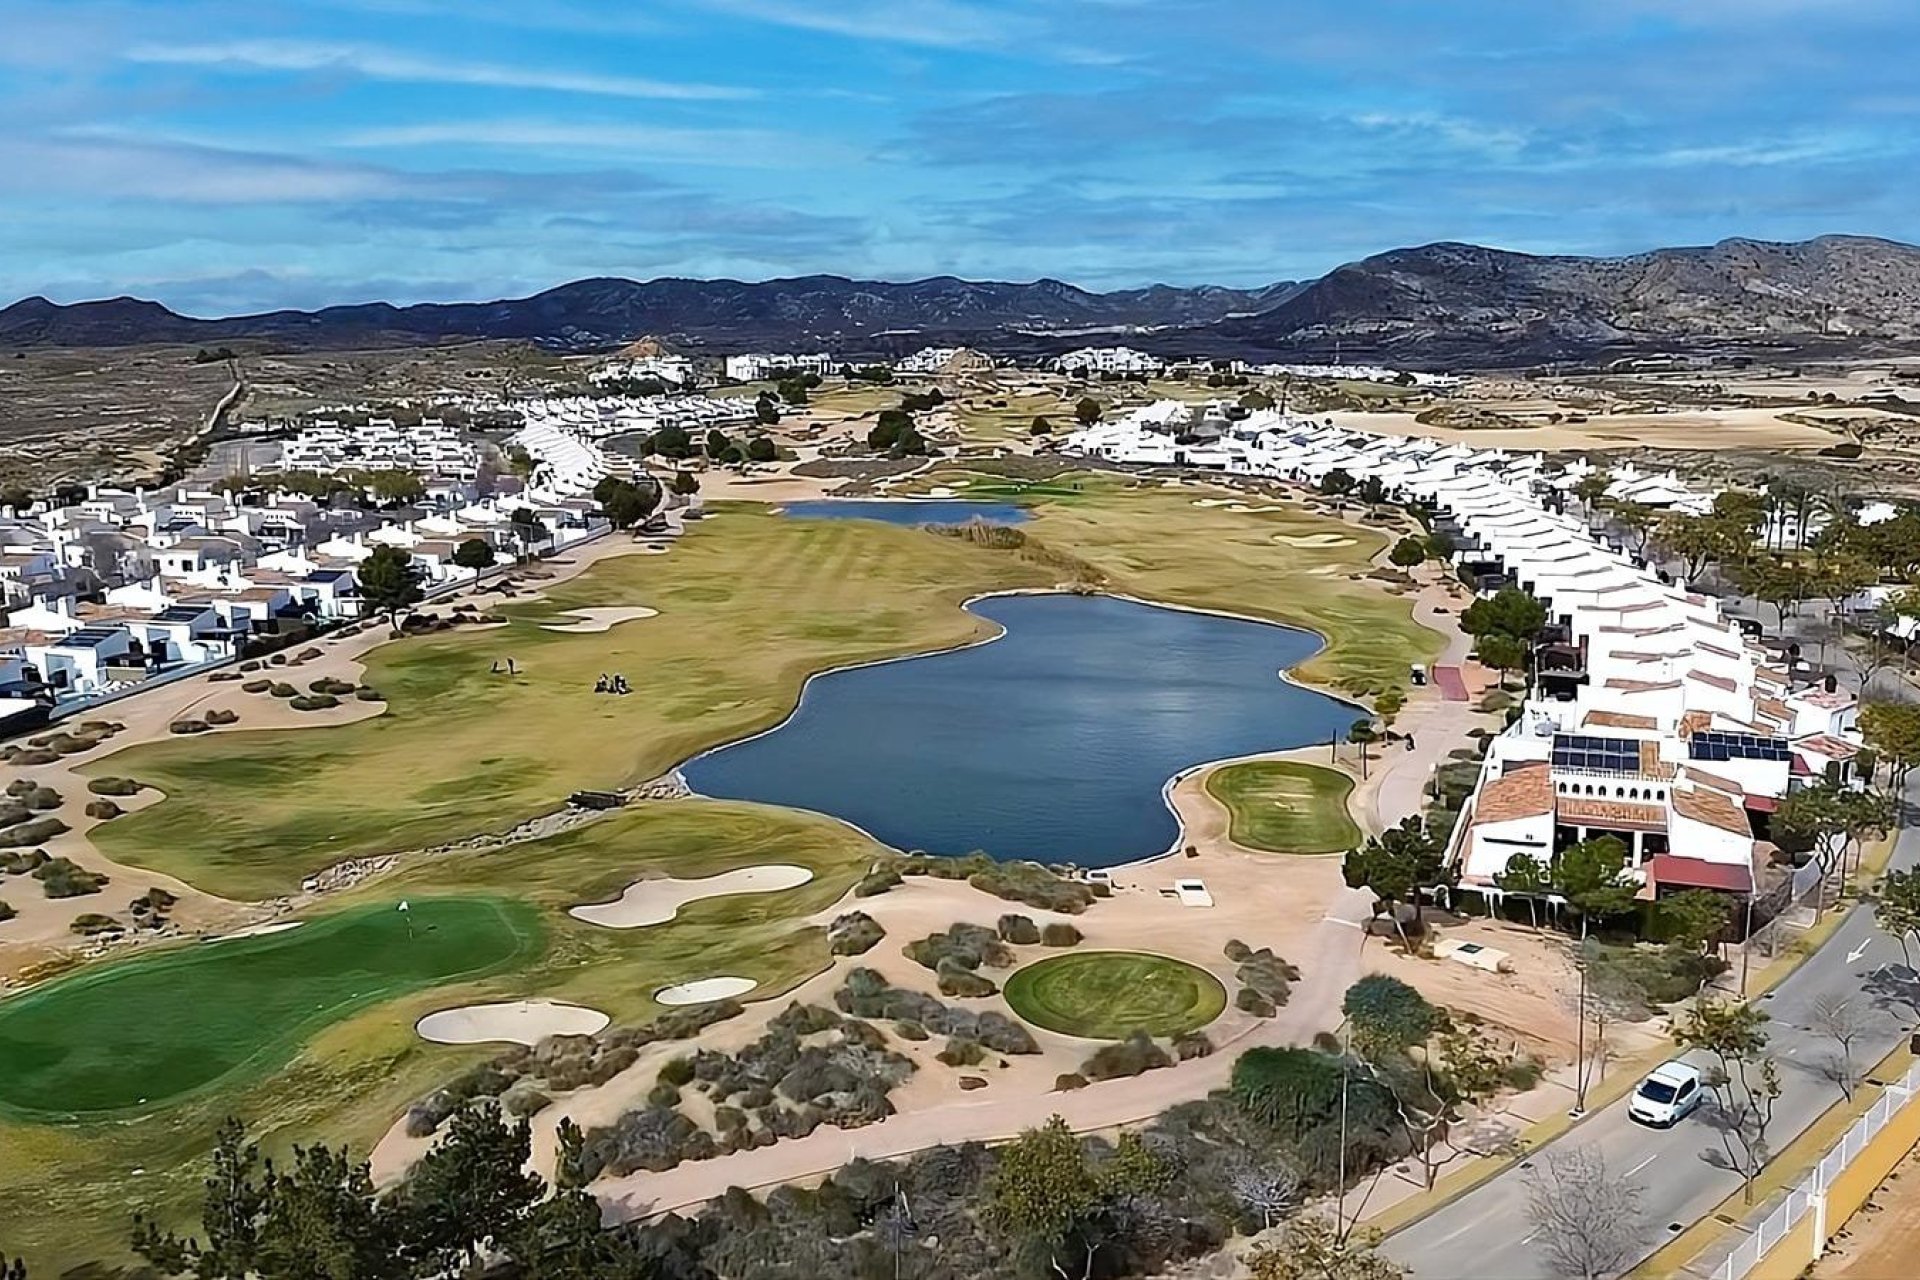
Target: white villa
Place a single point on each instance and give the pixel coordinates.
(675, 371)
(757, 367)
(1108, 360)
(1652, 718)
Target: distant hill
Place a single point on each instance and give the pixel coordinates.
(1486, 302)
(1435, 304)
(823, 311)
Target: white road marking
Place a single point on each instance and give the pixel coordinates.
(1643, 1164)
(1859, 951)
(1351, 924)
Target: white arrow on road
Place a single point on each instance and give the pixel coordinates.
(1859, 951)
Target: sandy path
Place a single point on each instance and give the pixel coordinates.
(1682, 429)
(525, 1022)
(656, 901)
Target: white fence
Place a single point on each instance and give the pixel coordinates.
(1811, 1196)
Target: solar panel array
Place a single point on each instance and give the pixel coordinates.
(1581, 751)
(1713, 744)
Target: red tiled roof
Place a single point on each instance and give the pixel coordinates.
(1712, 808)
(1641, 686)
(1718, 682)
(1830, 747)
(1694, 721)
(1698, 873)
(1527, 792)
(1620, 720)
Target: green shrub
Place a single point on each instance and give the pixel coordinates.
(962, 946)
(188, 726)
(1192, 1044)
(853, 934)
(1236, 950)
(19, 862)
(877, 882)
(64, 878)
(1251, 1001)
(256, 686)
(663, 1095)
(677, 1071)
(251, 664)
(1290, 1090)
(103, 809)
(221, 715)
(281, 689)
(21, 786)
(33, 756)
(114, 787)
(910, 1031)
(961, 1053)
(43, 798)
(1018, 930)
(1069, 1082)
(1387, 1014)
(90, 923)
(1060, 934)
(1024, 882)
(1130, 1057)
(962, 984)
(1268, 974)
(367, 693)
(313, 702)
(38, 831)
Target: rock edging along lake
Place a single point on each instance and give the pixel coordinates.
(1054, 742)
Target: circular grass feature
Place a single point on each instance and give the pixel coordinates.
(1109, 995)
(150, 1030)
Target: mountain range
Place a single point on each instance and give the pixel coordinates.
(1439, 302)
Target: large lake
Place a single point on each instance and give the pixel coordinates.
(1053, 742)
(908, 510)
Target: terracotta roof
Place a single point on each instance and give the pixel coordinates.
(1585, 812)
(1770, 675)
(1775, 708)
(1713, 809)
(1830, 747)
(1698, 873)
(1527, 792)
(1834, 701)
(1641, 686)
(1717, 651)
(1714, 780)
(1718, 682)
(1693, 722)
(1619, 720)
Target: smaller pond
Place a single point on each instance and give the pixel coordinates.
(908, 511)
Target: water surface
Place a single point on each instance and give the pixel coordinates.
(1052, 743)
(908, 511)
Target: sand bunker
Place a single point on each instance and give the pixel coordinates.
(600, 619)
(1213, 502)
(1313, 539)
(657, 901)
(259, 930)
(704, 990)
(525, 1022)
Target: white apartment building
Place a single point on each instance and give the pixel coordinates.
(758, 367)
(675, 371)
(1108, 360)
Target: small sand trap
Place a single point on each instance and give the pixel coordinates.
(704, 990)
(525, 1022)
(259, 930)
(1313, 539)
(940, 491)
(600, 619)
(1213, 502)
(657, 901)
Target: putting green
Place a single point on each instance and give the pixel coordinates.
(152, 1030)
(1108, 995)
(1283, 806)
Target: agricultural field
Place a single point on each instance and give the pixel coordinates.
(1283, 806)
(1109, 995)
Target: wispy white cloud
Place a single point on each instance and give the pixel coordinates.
(374, 63)
(940, 24)
(720, 148)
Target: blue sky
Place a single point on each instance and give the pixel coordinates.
(224, 156)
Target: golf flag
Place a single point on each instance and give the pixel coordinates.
(403, 905)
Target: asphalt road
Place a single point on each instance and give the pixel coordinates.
(1684, 1172)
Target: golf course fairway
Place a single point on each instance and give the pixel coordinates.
(1109, 995)
(147, 1031)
